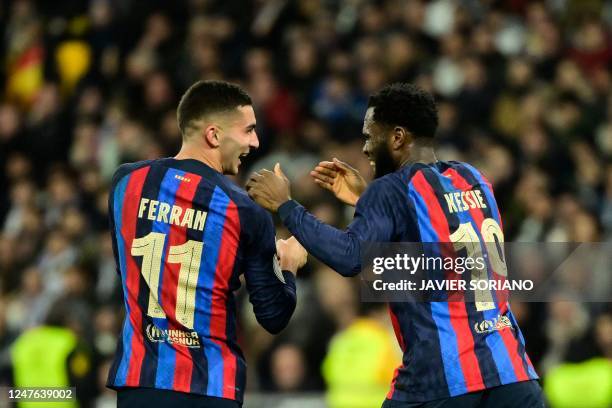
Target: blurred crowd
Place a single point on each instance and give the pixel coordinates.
(524, 90)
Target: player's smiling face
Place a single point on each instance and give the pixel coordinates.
(238, 138)
(376, 146)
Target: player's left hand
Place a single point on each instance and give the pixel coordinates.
(292, 255)
(269, 189)
(341, 179)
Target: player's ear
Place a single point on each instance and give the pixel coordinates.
(401, 137)
(211, 135)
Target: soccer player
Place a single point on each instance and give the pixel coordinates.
(448, 361)
(183, 233)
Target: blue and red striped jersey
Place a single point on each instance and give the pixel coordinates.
(445, 353)
(182, 235)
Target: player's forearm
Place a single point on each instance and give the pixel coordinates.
(274, 306)
(337, 249)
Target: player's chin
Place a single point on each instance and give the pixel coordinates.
(232, 170)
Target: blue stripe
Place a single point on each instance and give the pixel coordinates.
(126, 336)
(449, 348)
(166, 360)
(499, 351)
(439, 310)
(213, 232)
(493, 340)
(530, 370)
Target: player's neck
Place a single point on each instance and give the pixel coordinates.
(190, 152)
(419, 154)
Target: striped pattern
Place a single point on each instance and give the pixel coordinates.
(126, 197)
(469, 361)
(214, 368)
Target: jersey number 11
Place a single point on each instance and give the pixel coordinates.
(188, 255)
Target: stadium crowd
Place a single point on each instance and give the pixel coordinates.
(524, 92)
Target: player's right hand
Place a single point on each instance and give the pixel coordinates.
(291, 253)
(341, 179)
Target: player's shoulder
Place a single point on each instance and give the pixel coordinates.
(128, 168)
(388, 180)
(407, 173)
(256, 222)
(234, 192)
(388, 186)
(473, 175)
(458, 165)
(248, 208)
(399, 178)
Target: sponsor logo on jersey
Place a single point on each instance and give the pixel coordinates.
(495, 324)
(173, 336)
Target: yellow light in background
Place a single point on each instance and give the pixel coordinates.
(73, 59)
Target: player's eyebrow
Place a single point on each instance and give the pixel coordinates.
(251, 126)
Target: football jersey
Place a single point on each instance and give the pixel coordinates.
(182, 235)
(449, 347)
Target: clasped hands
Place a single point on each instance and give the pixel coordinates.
(271, 189)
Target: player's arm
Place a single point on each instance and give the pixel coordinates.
(339, 249)
(270, 281)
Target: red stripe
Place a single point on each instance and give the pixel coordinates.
(392, 389)
(396, 329)
(223, 274)
(177, 236)
(457, 308)
(508, 338)
(131, 200)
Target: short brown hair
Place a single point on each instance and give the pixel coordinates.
(209, 97)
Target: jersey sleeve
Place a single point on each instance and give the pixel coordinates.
(271, 291)
(374, 221)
